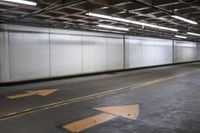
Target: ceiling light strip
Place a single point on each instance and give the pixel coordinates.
(179, 36)
(192, 33)
(113, 27)
(184, 19)
(25, 2)
(130, 21)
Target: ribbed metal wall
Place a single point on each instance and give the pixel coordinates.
(185, 51)
(141, 51)
(32, 53)
(29, 54)
(41, 52)
(4, 55)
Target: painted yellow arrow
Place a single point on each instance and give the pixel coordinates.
(127, 111)
(31, 93)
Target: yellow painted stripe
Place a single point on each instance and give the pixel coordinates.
(83, 124)
(13, 113)
(20, 96)
(95, 95)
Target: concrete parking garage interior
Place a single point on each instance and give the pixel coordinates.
(94, 66)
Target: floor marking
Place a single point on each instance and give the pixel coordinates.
(83, 124)
(127, 111)
(92, 96)
(31, 93)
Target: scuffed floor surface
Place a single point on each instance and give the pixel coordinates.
(168, 100)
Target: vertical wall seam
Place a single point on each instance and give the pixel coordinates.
(82, 44)
(1, 59)
(9, 52)
(127, 53)
(124, 51)
(142, 52)
(173, 52)
(50, 74)
(107, 43)
(198, 51)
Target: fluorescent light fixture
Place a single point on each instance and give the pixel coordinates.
(25, 2)
(107, 30)
(184, 19)
(154, 26)
(99, 15)
(194, 34)
(130, 21)
(2, 9)
(179, 36)
(112, 27)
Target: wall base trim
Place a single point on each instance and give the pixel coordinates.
(13, 83)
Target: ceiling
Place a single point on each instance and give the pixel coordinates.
(72, 14)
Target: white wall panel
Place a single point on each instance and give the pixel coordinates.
(66, 54)
(133, 53)
(115, 53)
(185, 51)
(29, 55)
(147, 52)
(94, 54)
(156, 51)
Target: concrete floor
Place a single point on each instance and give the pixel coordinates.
(168, 97)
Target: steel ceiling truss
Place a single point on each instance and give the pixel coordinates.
(72, 14)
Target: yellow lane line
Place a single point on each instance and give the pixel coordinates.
(92, 96)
